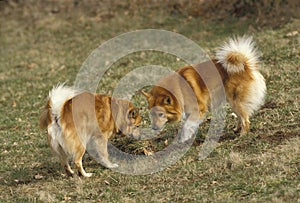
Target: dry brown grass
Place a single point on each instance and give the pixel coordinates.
(266, 12)
(45, 42)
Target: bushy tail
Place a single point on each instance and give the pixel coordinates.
(238, 54)
(57, 97)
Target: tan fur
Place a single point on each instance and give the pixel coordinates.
(88, 120)
(238, 87)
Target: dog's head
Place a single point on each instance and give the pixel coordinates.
(163, 107)
(127, 118)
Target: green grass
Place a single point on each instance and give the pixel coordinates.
(39, 49)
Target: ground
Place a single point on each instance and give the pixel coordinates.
(41, 46)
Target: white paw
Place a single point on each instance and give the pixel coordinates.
(183, 139)
(113, 166)
(185, 136)
(188, 131)
(87, 175)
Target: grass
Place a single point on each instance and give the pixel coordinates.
(40, 48)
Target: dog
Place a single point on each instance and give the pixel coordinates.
(77, 121)
(235, 68)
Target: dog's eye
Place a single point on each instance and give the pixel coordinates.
(161, 115)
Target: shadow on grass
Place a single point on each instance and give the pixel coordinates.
(46, 171)
(28, 175)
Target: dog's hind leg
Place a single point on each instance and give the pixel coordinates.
(245, 124)
(79, 152)
(65, 162)
(243, 115)
(61, 154)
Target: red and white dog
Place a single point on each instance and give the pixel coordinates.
(235, 67)
(77, 121)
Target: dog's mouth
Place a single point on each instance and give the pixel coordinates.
(132, 135)
(158, 129)
(136, 137)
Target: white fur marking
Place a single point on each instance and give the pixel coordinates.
(58, 96)
(256, 94)
(188, 130)
(55, 131)
(242, 45)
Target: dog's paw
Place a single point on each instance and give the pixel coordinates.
(70, 172)
(89, 175)
(183, 139)
(188, 131)
(185, 135)
(86, 175)
(113, 166)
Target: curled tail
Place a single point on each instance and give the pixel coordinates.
(238, 54)
(57, 98)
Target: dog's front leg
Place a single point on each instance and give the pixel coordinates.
(189, 128)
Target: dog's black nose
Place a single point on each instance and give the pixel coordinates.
(155, 128)
(135, 137)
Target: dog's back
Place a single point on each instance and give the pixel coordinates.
(235, 68)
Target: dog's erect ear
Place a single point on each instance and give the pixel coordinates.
(168, 100)
(133, 113)
(147, 95)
